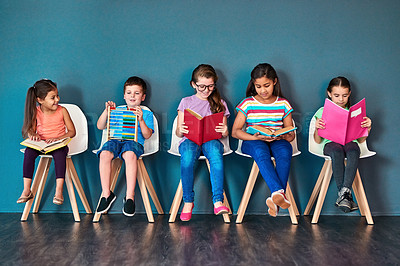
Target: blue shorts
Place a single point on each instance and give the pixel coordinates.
(118, 147)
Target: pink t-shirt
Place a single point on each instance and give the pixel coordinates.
(202, 107)
(50, 126)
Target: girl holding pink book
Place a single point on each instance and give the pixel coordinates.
(339, 92)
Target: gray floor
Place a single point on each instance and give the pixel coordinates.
(50, 239)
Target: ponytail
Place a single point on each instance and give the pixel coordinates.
(29, 125)
(216, 104)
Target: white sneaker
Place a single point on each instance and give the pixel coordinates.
(272, 208)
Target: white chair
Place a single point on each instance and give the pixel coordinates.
(77, 145)
(151, 146)
(293, 211)
(174, 150)
(322, 184)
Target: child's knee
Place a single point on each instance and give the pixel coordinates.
(106, 155)
(129, 156)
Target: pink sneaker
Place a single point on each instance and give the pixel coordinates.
(221, 210)
(279, 198)
(186, 216)
(272, 208)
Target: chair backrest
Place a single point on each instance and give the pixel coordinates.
(79, 143)
(151, 145)
(293, 143)
(174, 149)
(318, 148)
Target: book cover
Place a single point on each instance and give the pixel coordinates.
(202, 129)
(122, 124)
(44, 147)
(341, 125)
(269, 132)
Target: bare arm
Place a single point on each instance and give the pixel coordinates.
(180, 127)
(102, 121)
(287, 122)
(146, 131)
(368, 124)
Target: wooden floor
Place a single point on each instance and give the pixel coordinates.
(54, 239)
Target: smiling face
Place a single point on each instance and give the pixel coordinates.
(50, 102)
(204, 87)
(134, 95)
(265, 89)
(340, 95)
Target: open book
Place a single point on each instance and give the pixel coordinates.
(202, 129)
(44, 147)
(269, 132)
(343, 126)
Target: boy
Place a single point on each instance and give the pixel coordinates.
(128, 150)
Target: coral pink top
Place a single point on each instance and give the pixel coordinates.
(50, 125)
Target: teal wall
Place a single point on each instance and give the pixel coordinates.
(91, 47)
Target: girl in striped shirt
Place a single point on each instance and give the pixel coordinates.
(264, 106)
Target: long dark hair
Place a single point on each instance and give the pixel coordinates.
(339, 82)
(207, 71)
(39, 90)
(263, 70)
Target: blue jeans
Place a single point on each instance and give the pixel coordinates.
(344, 175)
(262, 151)
(190, 153)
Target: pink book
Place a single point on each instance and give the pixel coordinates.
(342, 125)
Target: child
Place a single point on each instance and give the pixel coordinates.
(339, 92)
(48, 121)
(205, 101)
(265, 106)
(128, 150)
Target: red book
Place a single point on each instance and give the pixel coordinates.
(341, 125)
(202, 129)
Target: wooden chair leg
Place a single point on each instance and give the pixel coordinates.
(247, 193)
(43, 164)
(150, 187)
(176, 203)
(116, 165)
(72, 198)
(362, 198)
(75, 179)
(293, 207)
(145, 196)
(226, 203)
(322, 194)
(43, 179)
(316, 189)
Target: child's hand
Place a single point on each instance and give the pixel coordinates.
(366, 123)
(139, 112)
(222, 128)
(319, 123)
(288, 136)
(264, 138)
(183, 129)
(34, 136)
(51, 140)
(110, 103)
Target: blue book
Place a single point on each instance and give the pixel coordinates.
(269, 132)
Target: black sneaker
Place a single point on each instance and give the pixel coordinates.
(343, 202)
(129, 207)
(354, 205)
(105, 203)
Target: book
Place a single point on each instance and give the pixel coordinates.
(341, 125)
(269, 132)
(44, 147)
(202, 129)
(122, 124)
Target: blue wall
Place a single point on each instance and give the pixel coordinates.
(91, 47)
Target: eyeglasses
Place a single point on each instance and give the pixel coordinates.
(202, 87)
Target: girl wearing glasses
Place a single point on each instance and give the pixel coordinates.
(265, 106)
(206, 101)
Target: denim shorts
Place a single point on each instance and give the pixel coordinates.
(118, 147)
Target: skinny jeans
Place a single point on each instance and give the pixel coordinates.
(343, 174)
(190, 152)
(262, 151)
